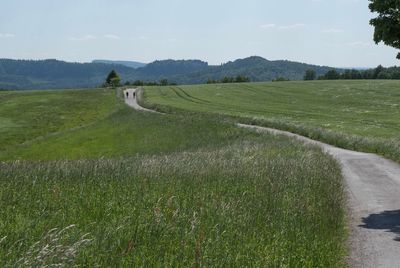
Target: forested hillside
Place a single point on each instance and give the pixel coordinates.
(28, 74)
(132, 64)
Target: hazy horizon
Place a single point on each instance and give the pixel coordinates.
(331, 33)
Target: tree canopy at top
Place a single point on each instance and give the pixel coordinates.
(387, 24)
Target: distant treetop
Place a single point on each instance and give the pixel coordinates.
(113, 79)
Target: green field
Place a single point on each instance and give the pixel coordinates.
(87, 181)
(359, 115)
(26, 116)
(60, 125)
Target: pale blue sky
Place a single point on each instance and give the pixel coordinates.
(325, 32)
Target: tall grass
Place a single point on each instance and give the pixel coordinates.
(259, 202)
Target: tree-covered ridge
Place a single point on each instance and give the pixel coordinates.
(44, 74)
(29, 74)
(131, 64)
(172, 67)
(257, 69)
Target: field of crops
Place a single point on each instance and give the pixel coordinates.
(360, 115)
(98, 184)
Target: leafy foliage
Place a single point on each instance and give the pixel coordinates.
(113, 79)
(387, 24)
(310, 75)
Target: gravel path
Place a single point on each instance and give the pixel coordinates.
(373, 185)
(131, 96)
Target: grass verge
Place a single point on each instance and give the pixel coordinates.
(357, 115)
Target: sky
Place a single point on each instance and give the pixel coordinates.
(324, 32)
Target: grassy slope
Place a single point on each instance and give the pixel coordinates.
(362, 115)
(123, 132)
(185, 190)
(25, 116)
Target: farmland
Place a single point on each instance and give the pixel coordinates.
(358, 115)
(94, 183)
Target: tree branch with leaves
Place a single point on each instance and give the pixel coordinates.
(387, 23)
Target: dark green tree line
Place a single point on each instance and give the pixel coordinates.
(228, 79)
(379, 72)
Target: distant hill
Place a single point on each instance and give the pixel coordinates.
(194, 72)
(258, 69)
(131, 64)
(173, 69)
(45, 74)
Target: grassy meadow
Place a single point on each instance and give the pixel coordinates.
(105, 127)
(360, 115)
(98, 184)
(31, 115)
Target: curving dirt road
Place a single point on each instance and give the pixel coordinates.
(373, 185)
